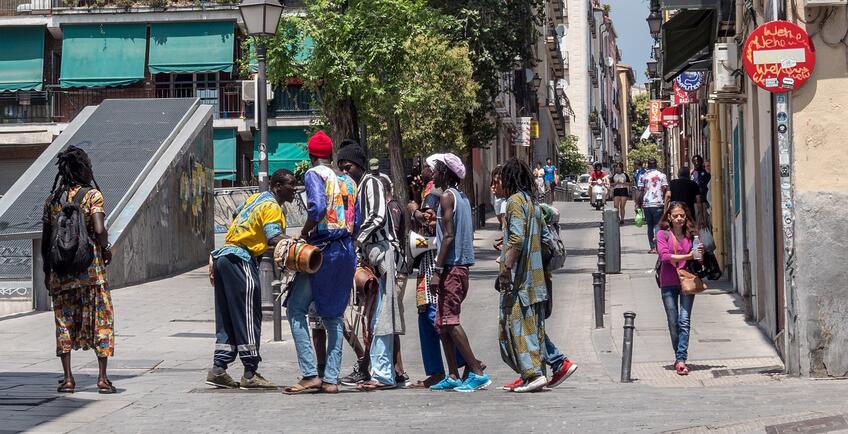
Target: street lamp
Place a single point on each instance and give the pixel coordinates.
(261, 18)
(656, 50)
(655, 23)
(652, 67)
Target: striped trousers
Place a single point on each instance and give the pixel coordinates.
(238, 312)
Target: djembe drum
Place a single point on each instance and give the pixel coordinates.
(298, 256)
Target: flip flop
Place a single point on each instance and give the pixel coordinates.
(108, 390)
(63, 389)
(297, 389)
(375, 385)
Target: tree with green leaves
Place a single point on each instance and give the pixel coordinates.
(640, 114)
(643, 152)
(571, 161)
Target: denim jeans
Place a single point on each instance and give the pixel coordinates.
(382, 346)
(431, 345)
(298, 305)
(653, 214)
(678, 310)
(553, 356)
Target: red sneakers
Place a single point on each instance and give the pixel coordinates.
(564, 372)
(513, 385)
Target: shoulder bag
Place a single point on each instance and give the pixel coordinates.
(690, 283)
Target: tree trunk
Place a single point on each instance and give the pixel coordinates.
(401, 190)
(341, 115)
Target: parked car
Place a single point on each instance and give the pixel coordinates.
(581, 190)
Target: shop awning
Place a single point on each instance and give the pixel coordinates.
(192, 47)
(22, 58)
(97, 55)
(286, 147)
(687, 37)
(224, 145)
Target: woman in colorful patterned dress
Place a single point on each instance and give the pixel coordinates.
(82, 303)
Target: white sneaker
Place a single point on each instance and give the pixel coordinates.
(532, 386)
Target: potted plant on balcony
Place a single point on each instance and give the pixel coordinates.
(593, 118)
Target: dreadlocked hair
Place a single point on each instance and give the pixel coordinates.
(74, 169)
(516, 176)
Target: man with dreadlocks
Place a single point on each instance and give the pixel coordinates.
(524, 345)
(82, 303)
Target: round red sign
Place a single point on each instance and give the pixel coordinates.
(779, 56)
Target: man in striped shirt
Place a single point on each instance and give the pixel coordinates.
(377, 246)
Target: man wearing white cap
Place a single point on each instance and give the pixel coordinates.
(454, 236)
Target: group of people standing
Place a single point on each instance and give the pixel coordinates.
(546, 179)
(355, 222)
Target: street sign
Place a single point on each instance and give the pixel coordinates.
(690, 81)
(779, 56)
(682, 96)
(522, 132)
(670, 117)
(655, 116)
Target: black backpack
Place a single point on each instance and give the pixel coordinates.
(71, 251)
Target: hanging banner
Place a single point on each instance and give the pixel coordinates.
(690, 81)
(681, 96)
(779, 56)
(670, 117)
(655, 116)
(522, 132)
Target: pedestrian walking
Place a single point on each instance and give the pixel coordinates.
(702, 177)
(551, 179)
(638, 171)
(674, 248)
(620, 190)
(426, 300)
(329, 226)
(687, 191)
(539, 179)
(398, 216)
(523, 343)
(454, 236)
(258, 224)
(75, 252)
(377, 247)
(653, 185)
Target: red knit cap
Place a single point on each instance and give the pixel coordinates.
(320, 145)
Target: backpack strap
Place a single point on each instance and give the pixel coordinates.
(78, 198)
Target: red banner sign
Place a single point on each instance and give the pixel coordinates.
(655, 116)
(683, 97)
(670, 117)
(779, 56)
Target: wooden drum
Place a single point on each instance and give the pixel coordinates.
(298, 256)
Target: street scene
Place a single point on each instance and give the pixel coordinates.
(405, 215)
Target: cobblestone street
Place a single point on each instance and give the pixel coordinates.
(166, 332)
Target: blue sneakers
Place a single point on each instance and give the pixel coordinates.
(447, 383)
(474, 382)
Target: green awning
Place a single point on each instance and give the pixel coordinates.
(286, 147)
(304, 52)
(22, 58)
(224, 145)
(96, 55)
(687, 37)
(192, 47)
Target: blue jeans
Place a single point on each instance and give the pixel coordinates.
(298, 305)
(382, 346)
(653, 215)
(553, 356)
(431, 345)
(678, 310)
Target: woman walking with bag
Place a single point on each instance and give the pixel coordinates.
(674, 248)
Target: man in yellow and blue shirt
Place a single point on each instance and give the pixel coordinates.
(234, 270)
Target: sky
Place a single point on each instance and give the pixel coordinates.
(634, 41)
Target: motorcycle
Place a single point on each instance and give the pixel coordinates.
(599, 194)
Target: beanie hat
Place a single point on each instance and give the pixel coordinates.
(351, 151)
(320, 145)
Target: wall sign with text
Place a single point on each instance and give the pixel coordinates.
(779, 56)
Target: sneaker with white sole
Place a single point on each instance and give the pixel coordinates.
(531, 386)
(474, 382)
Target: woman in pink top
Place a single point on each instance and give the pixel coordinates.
(674, 247)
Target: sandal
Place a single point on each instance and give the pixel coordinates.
(108, 390)
(297, 389)
(375, 385)
(66, 389)
(681, 368)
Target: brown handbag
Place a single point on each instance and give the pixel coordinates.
(690, 284)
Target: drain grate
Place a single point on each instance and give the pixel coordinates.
(747, 371)
(818, 425)
(193, 335)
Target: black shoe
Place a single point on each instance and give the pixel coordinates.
(402, 380)
(358, 376)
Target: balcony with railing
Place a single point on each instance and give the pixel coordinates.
(294, 100)
(49, 7)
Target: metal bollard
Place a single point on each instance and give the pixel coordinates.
(599, 300)
(602, 261)
(276, 286)
(627, 347)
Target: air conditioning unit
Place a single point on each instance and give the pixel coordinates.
(725, 64)
(818, 3)
(248, 91)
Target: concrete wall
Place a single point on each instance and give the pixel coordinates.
(579, 84)
(820, 187)
(167, 227)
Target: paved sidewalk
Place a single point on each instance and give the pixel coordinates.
(166, 333)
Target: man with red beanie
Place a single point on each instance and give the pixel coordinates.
(331, 198)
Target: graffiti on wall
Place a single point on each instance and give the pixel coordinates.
(228, 200)
(195, 179)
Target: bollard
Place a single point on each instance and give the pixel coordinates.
(276, 287)
(599, 302)
(627, 347)
(602, 261)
